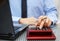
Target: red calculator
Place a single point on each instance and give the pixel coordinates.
(44, 34)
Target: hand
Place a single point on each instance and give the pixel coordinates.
(30, 20)
(47, 22)
(43, 21)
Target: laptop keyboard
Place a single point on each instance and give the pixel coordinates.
(17, 26)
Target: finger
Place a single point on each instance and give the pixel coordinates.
(48, 22)
(42, 18)
(38, 23)
(39, 20)
(41, 25)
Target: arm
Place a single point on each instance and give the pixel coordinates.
(50, 10)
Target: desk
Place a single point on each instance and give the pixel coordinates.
(22, 37)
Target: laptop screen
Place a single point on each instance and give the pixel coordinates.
(5, 18)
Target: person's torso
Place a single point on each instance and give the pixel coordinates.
(35, 8)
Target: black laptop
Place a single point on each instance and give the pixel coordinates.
(8, 29)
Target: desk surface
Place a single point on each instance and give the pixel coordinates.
(56, 31)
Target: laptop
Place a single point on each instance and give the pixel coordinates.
(9, 29)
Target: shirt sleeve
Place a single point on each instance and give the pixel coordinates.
(50, 10)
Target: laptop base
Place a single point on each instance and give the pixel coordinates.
(12, 37)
